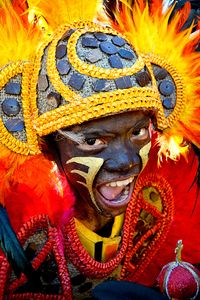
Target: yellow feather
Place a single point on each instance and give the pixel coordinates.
(64, 11)
(154, 34)
(16, 41)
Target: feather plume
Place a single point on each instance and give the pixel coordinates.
(166, 5)
(31, 186)
(154, 6)
(159, 34)
(110, 8)
(18, 39)
(20, 8)
(9, 162)
(182, 14)
(61, 12)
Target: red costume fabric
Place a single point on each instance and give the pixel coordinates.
(141, 262)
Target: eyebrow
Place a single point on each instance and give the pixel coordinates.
(142, 123)
(95, 132)
(80, 136)
(77, 137)
(105, 132)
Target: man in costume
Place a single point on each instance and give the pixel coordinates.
(81, 104)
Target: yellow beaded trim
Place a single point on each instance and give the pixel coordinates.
(32, 139)
(180, 92)
(52, 71)
(92, 70)
(34, 79)
(6, 138)
(99, 105)
(82, 110)
(79, 65)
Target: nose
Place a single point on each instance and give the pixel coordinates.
(123, 161)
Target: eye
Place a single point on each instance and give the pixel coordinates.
(92, 144)
(92, 141)
(141, 133)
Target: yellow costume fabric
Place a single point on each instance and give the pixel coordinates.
(110, 245)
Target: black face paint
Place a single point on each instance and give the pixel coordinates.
(103, 168)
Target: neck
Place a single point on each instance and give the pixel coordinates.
(89, 217)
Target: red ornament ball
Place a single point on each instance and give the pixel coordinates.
(179, 280)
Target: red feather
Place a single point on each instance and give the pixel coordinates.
(141, 4)
(183, 15)
(34, 188)
(155, 7)
(17, 9)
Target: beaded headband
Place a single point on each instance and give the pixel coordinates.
(83, 71)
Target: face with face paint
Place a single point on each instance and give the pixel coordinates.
(102, 160)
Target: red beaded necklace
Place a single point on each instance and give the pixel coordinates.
(79, 256)
(81, 259)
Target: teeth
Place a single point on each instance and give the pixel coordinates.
(121, 182)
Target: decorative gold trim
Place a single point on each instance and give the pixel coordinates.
(100, 105)
(6, 138)
(32, 139)
(180, 92)
(92, 70)
(52, 71)
(83, 109)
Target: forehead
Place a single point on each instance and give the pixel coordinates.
(114, 123)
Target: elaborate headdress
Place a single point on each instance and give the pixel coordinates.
(66, 70)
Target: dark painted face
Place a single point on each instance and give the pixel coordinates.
(102, 159)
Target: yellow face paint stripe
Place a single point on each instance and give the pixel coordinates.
(94, 164)
(144, 154)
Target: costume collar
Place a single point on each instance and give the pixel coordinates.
(100, 248)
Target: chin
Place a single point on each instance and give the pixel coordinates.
(113, 213)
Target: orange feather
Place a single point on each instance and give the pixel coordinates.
(156, 34)
(155, 7)
(33, 185)
(183, 15)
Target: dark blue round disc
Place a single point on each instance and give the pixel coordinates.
(166, 87)
(108, 48)
(10, 106)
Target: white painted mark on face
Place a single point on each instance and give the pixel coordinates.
(94, 164)
(144, 154)
(76, 137)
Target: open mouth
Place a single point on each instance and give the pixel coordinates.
(117, 192)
